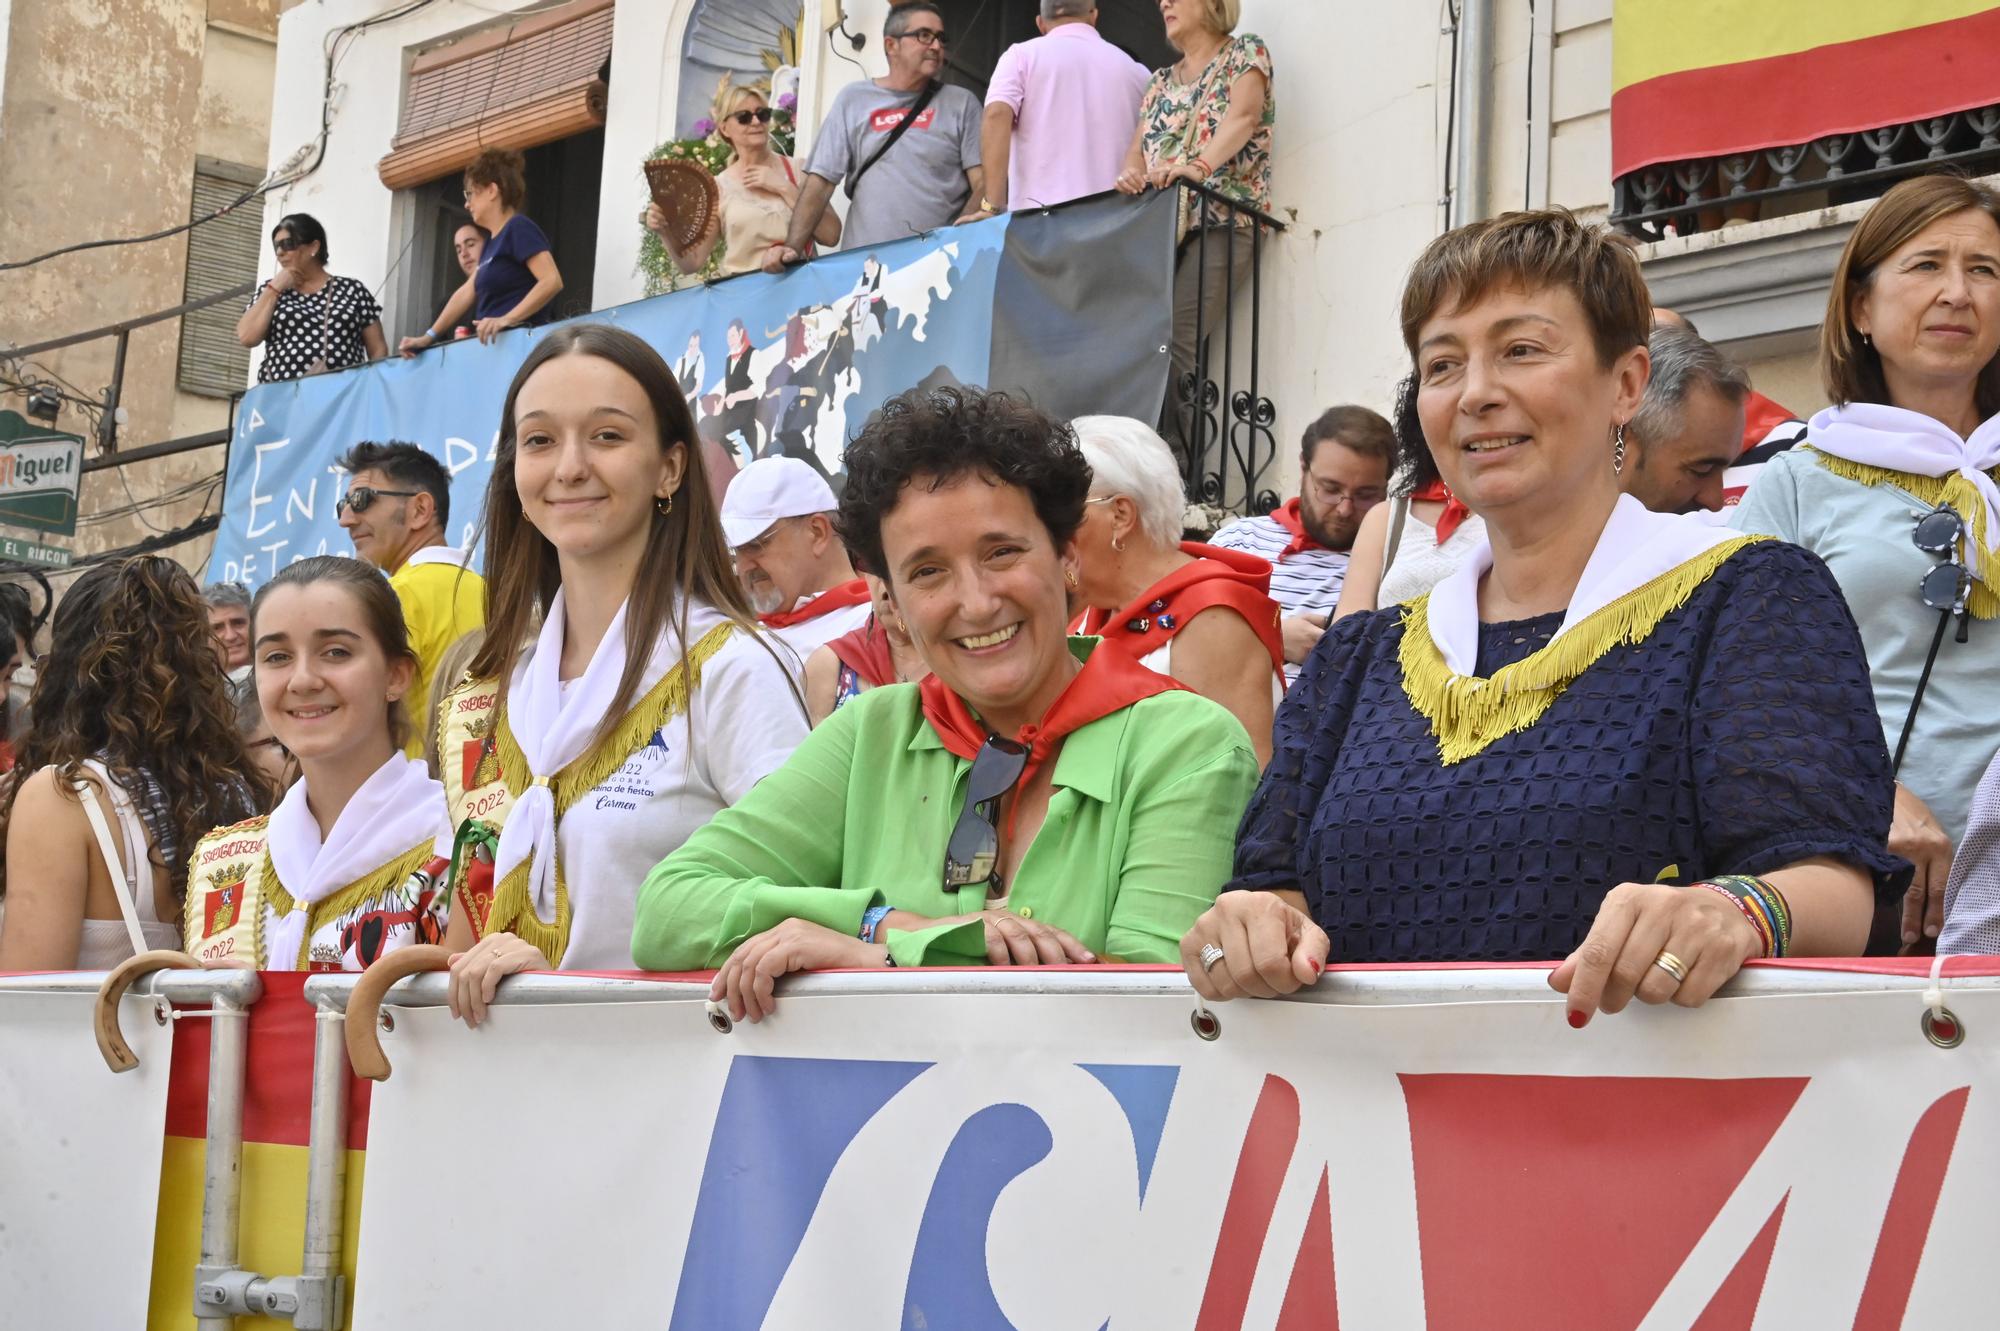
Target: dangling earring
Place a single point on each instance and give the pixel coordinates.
(1618, 450)
(1868, 341)
(664, 506)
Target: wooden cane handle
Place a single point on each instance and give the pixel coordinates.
(364, 1005)
(118, 1055)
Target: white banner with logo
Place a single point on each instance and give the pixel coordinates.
(1451, 1156)
(79, 1162)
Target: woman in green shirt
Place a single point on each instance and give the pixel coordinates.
(1035, 801)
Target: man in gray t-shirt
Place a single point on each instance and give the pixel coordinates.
(931, 177)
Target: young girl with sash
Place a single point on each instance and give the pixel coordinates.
(350, 865)
(624, 694)
(1627, 738)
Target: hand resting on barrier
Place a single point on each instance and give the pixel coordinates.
(476, 973)
(1268, 946)
(747, 982)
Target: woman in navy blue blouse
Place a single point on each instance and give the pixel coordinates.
(1631, 740)
(517, 275)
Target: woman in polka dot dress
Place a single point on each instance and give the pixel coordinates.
(309, 320)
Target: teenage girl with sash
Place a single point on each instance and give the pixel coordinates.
(350, 865)
(624, 694)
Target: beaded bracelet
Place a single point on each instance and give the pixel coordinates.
(1762, 904)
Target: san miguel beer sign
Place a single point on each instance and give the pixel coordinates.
(39, 474)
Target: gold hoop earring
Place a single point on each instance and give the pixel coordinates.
(1118, 544)
(664, 506)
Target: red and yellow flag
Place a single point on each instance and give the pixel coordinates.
(1707, 78)
(277, 1121)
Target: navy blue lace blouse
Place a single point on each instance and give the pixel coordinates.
(1741, 736)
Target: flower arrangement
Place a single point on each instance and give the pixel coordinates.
(708, 150)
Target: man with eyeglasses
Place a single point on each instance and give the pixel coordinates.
(778, 519)
(397, 503)
(906, 145)
(1307, 542)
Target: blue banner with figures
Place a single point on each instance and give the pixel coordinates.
(789, 365)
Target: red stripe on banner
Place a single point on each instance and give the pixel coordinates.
(1908, 1221)
(1734, 1307)
(1253, 1195)
(1842, 88)
(1487, 1146)
(1311, 1300)
(277, 1092)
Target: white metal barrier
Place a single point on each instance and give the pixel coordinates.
(1049, 1149)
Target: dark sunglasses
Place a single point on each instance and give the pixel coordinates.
(973, 853)
(288, 244)
(361, 497)
(926, 36)
(762, 115)
(1941, 532)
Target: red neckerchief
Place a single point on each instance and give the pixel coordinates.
(1216, 577)
(1454, 512)
(836, 598)
(1760, 417)
(866, 652)
(1288, 518)
(1109, 682)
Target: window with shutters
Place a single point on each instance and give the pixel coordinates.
(221, 254)
(519, 85)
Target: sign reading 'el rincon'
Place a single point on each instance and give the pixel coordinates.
(40, 471)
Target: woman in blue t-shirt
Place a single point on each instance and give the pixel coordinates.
(517, 276)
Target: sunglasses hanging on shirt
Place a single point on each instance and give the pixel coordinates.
(1946, 589)
(972, 855)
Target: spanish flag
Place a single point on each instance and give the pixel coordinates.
(277, 1119)
(1710, 78)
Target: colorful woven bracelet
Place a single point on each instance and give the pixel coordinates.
(1771, 899)
(1763, 904)
(1765, 940)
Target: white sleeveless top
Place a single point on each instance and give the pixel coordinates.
(106, 943)
(1161, 662)
(1420, 563)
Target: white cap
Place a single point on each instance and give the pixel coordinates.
(767, 490)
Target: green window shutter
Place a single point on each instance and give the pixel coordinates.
(221, 254)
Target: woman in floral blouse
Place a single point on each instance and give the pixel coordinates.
(1206, 120)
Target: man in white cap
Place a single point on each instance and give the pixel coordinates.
(778, 519)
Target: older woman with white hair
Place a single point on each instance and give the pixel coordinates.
(1198, 613)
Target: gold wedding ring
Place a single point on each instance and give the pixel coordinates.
(1672, 965)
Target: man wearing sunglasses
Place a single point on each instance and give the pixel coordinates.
(906, 145)
(397, 503)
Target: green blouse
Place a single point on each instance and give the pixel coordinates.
(1138, 839)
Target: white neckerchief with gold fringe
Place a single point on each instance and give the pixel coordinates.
(1644, 567)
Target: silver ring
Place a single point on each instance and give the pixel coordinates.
(1210, 954)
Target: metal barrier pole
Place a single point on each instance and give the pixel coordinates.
(222, 1182)
(322, 1289)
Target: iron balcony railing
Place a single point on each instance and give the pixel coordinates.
(1678, 198)
(1229, 418)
